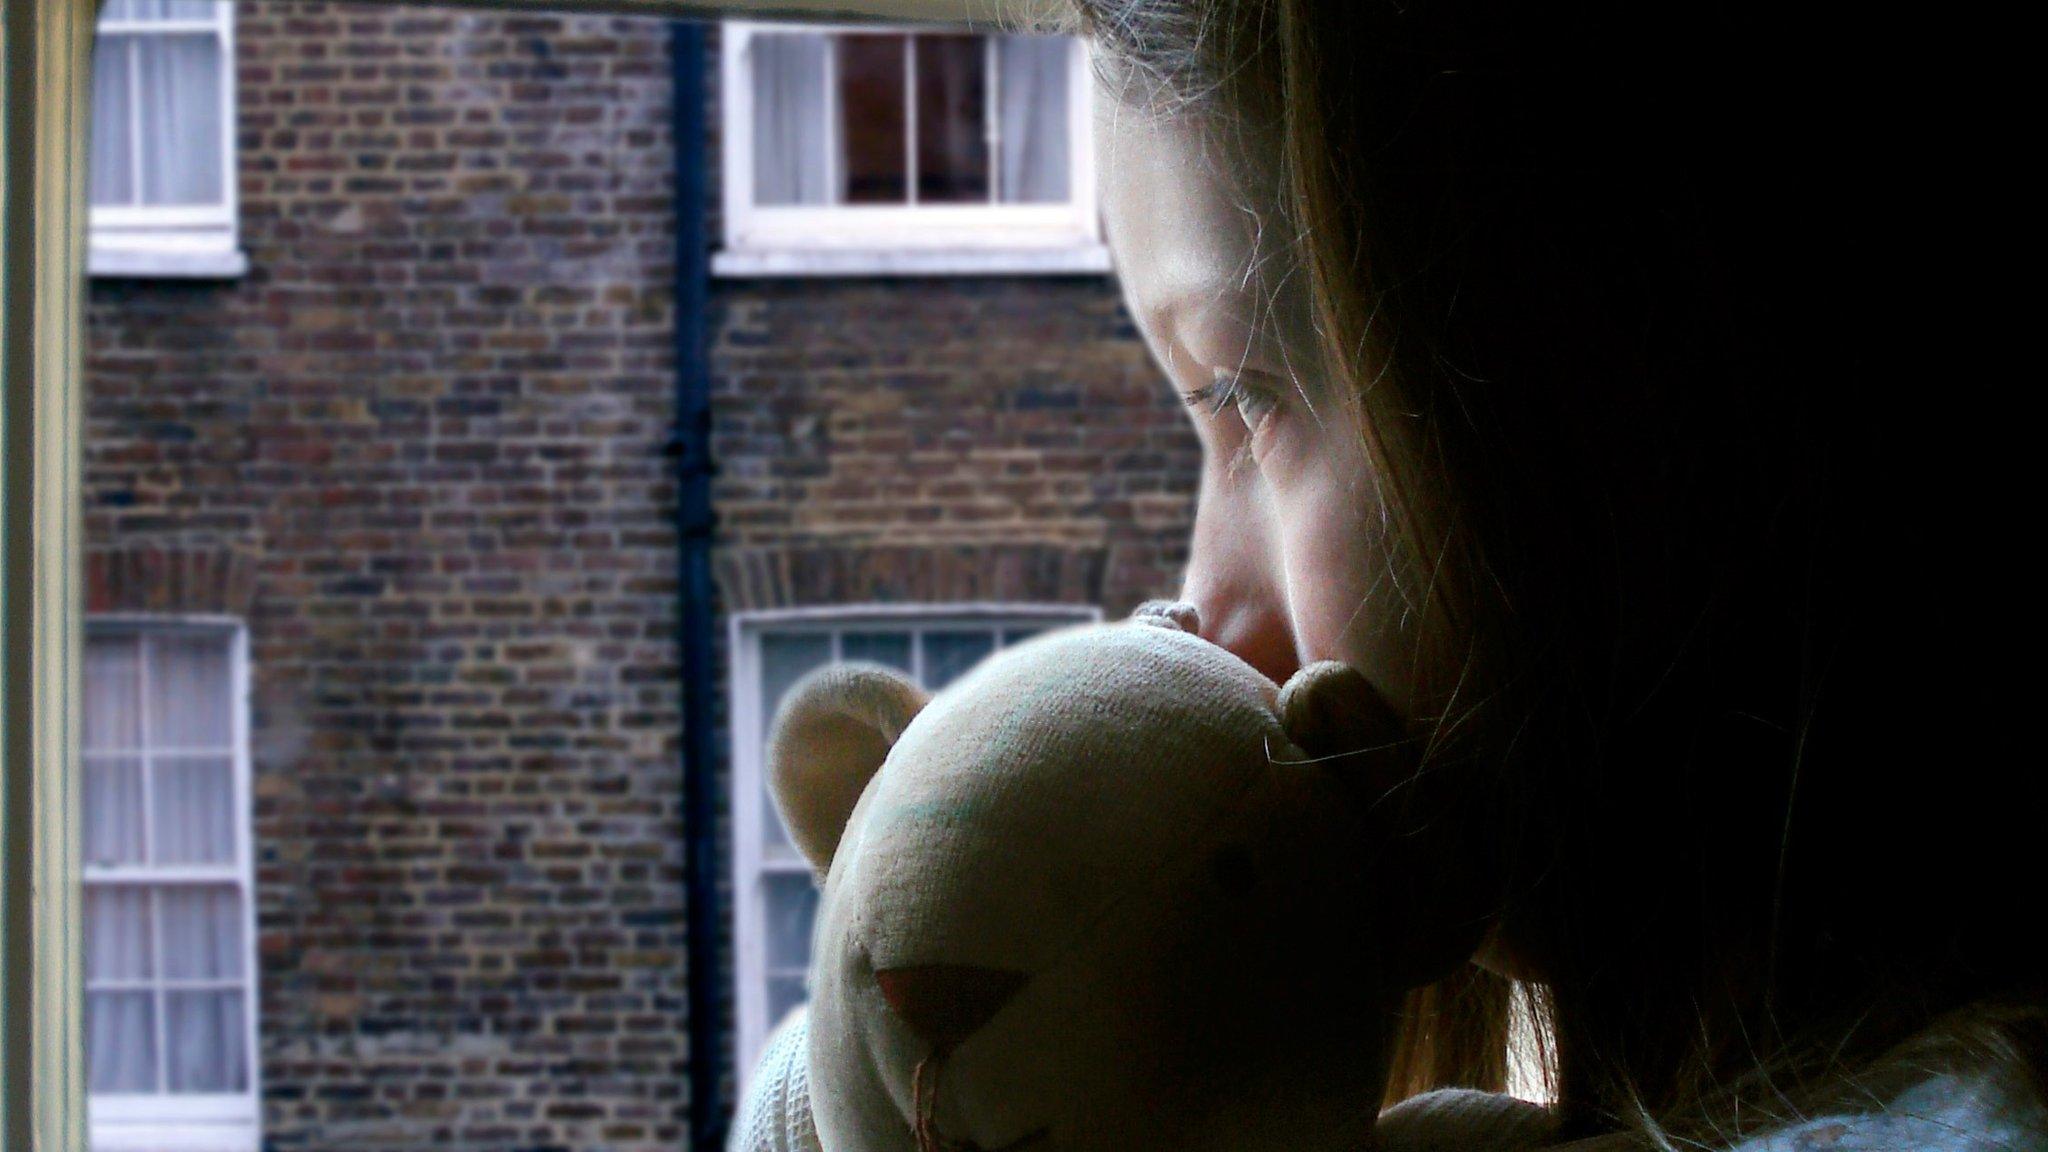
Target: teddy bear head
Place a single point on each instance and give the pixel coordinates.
(1110, 890)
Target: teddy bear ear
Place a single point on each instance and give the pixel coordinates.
(1333, 713)
(1175, 614)
(830, 736)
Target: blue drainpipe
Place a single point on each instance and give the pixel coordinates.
(709, 994)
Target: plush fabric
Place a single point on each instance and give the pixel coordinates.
(1096, 894)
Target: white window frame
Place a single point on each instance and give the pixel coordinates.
(913, 239)
(752, 864)
(194, 1122)
(194, 241)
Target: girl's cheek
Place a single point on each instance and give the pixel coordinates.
(1338, 582)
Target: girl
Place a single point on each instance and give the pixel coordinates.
(1575, 371)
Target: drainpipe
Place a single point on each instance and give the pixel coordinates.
(709, 993)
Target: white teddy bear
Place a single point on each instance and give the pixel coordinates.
(1114, 889)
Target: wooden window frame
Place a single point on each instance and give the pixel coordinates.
(45, 86)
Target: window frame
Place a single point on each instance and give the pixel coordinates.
(221, 1121)
(911, 239)
(747, 784)
(195, 241)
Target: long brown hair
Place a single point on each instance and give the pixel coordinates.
(1621, 290)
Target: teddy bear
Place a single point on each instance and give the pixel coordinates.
(1113, 889)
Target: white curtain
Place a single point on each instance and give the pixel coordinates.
(113, 142)
(195, 809)
(120, 1038)
(178, 79)
(1032, 78)
(792, 164)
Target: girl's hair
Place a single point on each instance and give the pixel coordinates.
(1624, 293)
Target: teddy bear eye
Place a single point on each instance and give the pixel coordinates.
(1235, 871)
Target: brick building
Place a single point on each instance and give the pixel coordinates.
(384, 758)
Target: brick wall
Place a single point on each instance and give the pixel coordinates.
(418, 448)
(931, 440)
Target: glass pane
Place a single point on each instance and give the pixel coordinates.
(189, 705)
(116, 933)
(202, 932)
(112, 167)
(120, 1041)
(785, 993)
(789, 903)
(948, 654)
(1031, 120)
(113, 694)
(180, 82)
(112, 820)
(194, 821)
(785, 658)
(207, 1045)
(1019, 635)
(871, 121)
(154, 10)
(792, 133)
(890, 648)
(952, 120)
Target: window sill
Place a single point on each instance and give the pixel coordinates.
(121, 261)
(1080, 260)
(174, 1137)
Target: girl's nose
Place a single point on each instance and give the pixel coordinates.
(1237, 581)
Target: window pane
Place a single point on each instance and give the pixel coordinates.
(180, 82)
(1019, 635)
(113, 694)
(112, 820)
(1031, 77)
(189, 704)
(785, 658)
(784, 994)
(152, 10)
(207, 1042)
(195, 807)
(948, 654)
(792, 133)
(112, 168)
(120, 1041)
(952, 119)
(116, 933)
(202, 932)
(871, 120)
(890, 648)
(790, 904)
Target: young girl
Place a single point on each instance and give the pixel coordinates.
(1597, 378)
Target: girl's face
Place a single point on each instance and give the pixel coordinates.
(1291, 559)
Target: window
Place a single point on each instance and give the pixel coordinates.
(170, 1021)
(893, 151)
(774, 899)
(163, 141)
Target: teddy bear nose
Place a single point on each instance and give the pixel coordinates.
(944, 1004)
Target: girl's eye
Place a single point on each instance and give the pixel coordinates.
(1231, 390)
(1253, 404)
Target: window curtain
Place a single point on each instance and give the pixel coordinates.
(1032, 73)
(792, 162)
(166, 87)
